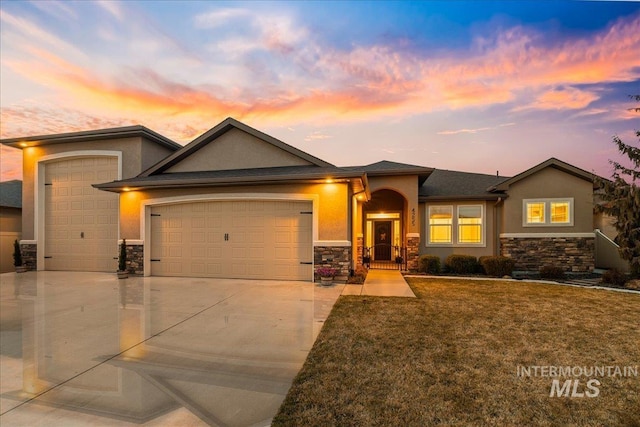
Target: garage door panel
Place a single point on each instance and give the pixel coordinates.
(214, 269)
(214, 253)
(242, 239)
(256, 237)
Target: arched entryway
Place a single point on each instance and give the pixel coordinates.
(384, 230)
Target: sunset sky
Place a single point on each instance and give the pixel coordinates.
(472, 86)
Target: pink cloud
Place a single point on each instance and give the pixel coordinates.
(304, 81)
(561, 99)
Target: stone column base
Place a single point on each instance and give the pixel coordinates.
(337, 257)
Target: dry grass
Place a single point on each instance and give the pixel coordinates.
(451, 356)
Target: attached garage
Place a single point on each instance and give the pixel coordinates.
(81, 222)
(243, 239)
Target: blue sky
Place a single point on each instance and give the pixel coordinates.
(474, 86)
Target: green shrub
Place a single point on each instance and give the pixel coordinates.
(614, 277)
(429, 264)
(552, 272)
(497, 266)
(461, 264)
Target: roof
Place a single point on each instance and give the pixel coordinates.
(386, 168)
(254, 176)
(215, 132)
(11, 194)
(553, 163)
(91, 135)
(450, 185)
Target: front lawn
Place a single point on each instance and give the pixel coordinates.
(452, 355)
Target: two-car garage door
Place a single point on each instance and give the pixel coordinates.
(248, 239)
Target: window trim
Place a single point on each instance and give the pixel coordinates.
(451, 226)
(547, 212)
(482, 226)
(455, 235)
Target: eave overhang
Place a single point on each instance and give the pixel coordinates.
(357, 181)
(487, 197)
(91, 135)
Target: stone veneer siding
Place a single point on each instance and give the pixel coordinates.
(573, 254)
(29, 253)
(135, 259)
(413, 253)
(338, 257)
(360, 250)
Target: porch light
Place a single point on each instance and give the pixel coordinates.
(328, 181)
(24, 145)
(126, 189)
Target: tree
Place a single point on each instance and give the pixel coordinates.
(621, 197)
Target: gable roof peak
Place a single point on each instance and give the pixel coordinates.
(221, 128)
(551, 162)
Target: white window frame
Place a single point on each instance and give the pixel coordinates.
(455, 235)
(482, 226)
(452, 226)
(547, 212)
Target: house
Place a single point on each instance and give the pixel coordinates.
(10, 221)
(238, 203)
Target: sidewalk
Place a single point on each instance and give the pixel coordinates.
(381, 283)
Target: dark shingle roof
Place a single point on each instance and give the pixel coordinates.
(447, 185)
(11, 194)
(233, 177)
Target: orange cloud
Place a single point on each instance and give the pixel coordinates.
(10, 163)
(563, 99)
(306, 81)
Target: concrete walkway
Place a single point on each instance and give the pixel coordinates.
(381, 283)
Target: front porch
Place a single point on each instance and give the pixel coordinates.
(386, 226)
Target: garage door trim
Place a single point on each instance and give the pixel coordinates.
(39, 191)
(145, 226)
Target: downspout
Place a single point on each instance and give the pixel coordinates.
(496, 222)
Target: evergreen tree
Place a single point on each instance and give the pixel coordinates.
(621, 197)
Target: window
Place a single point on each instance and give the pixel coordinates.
(546, 212)
(466, 228)
(440, 224)
(535, 213)
(560, 212)
(470, 224)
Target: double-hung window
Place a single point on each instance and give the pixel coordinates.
(547, 212)
(440, 224)
(470, 224)
(465, 227)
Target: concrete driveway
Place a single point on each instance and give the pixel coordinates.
(89, 349)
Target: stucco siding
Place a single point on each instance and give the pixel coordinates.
(152, 153)
(605, 224)
(489, 245)
(549, 183)
(131, 166)
(407, 186)
(237, 149)
(332, 203)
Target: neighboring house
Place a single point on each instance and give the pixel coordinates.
(238, 203)
(10, 221)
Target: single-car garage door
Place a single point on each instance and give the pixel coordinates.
(233, 239)
(81, 222)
